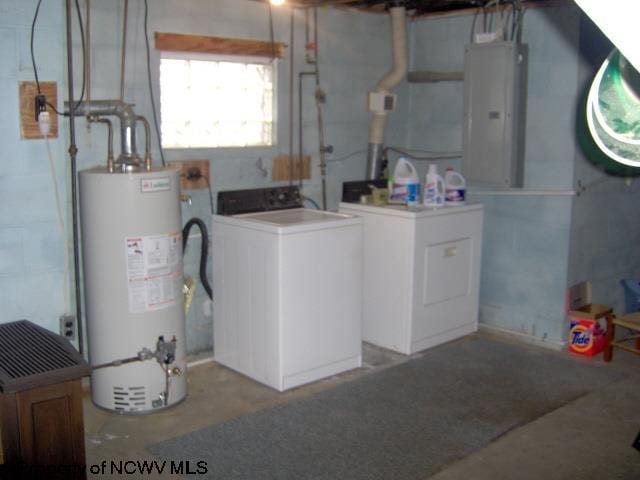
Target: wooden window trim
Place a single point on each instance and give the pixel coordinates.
(178, 42)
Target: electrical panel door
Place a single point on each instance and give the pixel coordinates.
(495, 93)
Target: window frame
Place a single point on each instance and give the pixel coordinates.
(232, 58)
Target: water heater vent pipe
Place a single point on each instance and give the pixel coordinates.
(390, 80)
(127, 117)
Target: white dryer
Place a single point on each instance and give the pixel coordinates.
(421, 274)
(287, 288)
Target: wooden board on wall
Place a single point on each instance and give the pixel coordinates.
(177, 42)
(28, 125)
(184, 166)
(282, 167)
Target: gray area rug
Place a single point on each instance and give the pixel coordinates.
(405, 422)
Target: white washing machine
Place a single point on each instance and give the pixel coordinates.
(287, 288)
(421, 274)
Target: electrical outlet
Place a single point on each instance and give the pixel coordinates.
(40, 104)
(32, 102)
(194, 174)
(69, 327)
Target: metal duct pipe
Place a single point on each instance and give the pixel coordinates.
(426, 76)
(390, 80)
(124, 111)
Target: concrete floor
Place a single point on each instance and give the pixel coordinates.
(588, 438)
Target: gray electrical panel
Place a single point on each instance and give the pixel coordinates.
(495, 100)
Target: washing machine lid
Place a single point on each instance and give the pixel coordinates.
(294, 220)
(297, 216)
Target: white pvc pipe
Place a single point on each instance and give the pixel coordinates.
(399, 46)
(397, 72)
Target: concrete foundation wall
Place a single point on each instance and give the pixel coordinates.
(604, 227)
(526, 238)
(354, 54)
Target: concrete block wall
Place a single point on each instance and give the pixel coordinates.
(354, 54)
(524, 264)
(604, 227)
(437, 108)
(31, 244)
(526, 238)
(534, 245)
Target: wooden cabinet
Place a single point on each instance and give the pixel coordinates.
(44, 426)
(41, 405)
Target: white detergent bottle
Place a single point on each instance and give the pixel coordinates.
(455, 188)
(433, 188)
(406, 183)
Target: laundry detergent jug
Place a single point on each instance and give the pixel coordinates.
(455, 188)
(433, 188)
(406, 183)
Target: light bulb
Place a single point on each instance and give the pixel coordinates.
(277, 3)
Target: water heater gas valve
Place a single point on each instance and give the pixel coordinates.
(165, 352)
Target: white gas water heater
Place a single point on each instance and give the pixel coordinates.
(133, 276)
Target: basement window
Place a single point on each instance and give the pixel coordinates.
(210, 101)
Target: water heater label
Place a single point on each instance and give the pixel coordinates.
(154, 271)
(148, 185)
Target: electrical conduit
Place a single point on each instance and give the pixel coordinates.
(73, 152)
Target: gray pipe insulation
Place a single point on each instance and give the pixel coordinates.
(390, 80)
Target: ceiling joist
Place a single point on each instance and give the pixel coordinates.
(421, 8)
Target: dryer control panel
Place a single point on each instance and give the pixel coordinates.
(236, 202)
